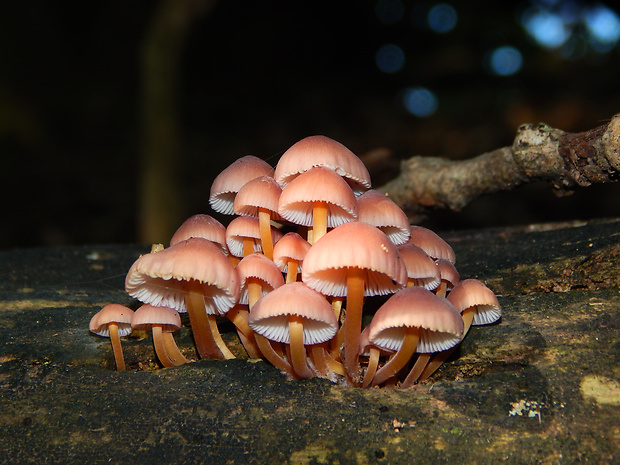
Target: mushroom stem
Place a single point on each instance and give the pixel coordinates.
(291, 271)
(335, 365)
(336, 343)
(352, 326)
(238, 315)
(319, 359)
(400, 358)
(201, 328)
(172, 349)
(248, 246)
(160, 348)
(264, 223)
(255, 290)
(217, 337)
(319, 220)
(442, 289)
(371, 369)
(273, 357)
(441, 357)
(416, 370)
(117, 348)
(298, 350)
(250, 346)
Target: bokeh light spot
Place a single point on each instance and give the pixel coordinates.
(420, 101)
(390, 58)
(547, 28)
(442, 18)
(505, 61)
(603, 24)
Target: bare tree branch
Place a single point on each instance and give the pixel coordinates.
(538, 153)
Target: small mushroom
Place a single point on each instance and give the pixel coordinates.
(431, 243)
(422, 270)
(322, 151)
(289, 253)
(258, 276)
(192, 276)
(243, 236)
(318, 198)
(259, 199)
(478, 305)
(162, 321)
(411, 320)
(296, 315)
(226, 184)
(379, 210)
(113, 321)
(204, 226)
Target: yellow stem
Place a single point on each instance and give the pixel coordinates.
(416, 370)
(205, 344)
(255, 291)
(264, 223)
(400, 358)
(172, 349)
(291, 271)
(160, 348)
(371, 369)
(441, 357)
(117, 348)
(239, 317)
(298, 350)
(319, 220)
(319, 360)
(273, 357)
(353, 321)
(217, 337)
(248, 246)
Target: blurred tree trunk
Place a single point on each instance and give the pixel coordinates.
(160, 198)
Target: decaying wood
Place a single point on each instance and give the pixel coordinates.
(538, 153)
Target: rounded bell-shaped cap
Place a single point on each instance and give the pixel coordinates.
(440, 324)
(270, 315)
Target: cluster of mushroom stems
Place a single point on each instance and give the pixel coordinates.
(309, 245)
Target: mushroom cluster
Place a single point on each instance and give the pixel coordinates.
(309, 246)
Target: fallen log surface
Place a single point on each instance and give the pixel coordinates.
(540, 386)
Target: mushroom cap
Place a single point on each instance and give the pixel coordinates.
(448, 272)
(472, 292)
(259, 267)
(147, 316)
(262, 192)
(420, 267)
(111, 313)
(246, 226)
(291, 247)
(441, 325)
(269, 317)
(204, 226)
(431, 243)
(160, 279)
(354, 245)
(226, 184)
(318, 184)
(378, 209)
(322, 151)
(365, 344)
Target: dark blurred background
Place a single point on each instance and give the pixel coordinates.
(96, 96)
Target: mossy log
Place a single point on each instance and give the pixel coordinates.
(540, 386)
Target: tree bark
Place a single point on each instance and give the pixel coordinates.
(538, 153)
